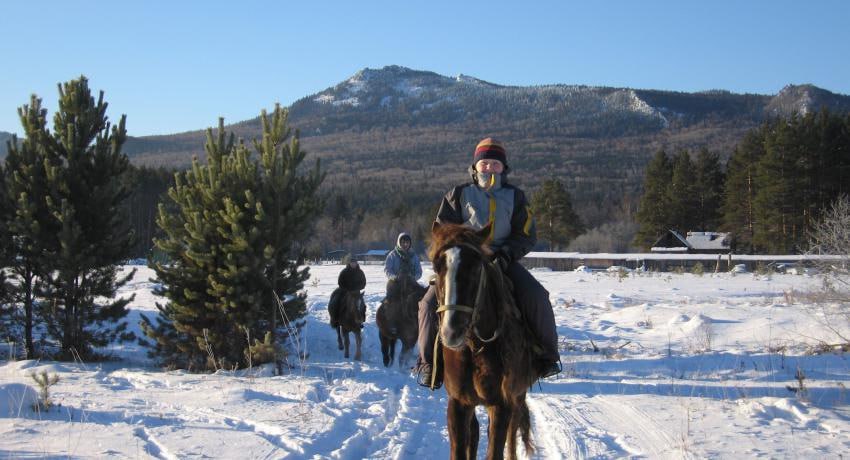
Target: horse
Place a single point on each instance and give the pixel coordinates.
(350, 320)
(397, 319)
(486, 353)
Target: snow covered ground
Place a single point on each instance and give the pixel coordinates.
(687, 367)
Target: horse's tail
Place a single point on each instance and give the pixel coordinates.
(520, 422)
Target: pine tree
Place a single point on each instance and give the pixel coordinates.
(740, 190)
(340, 214)
(654, 214)
(682, 194)
(709, 190)
(6, 258)
(28, 217)
(779, 223)
(233, 236)
(85, 192)
(557, 222)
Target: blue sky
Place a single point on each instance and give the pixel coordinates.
(175, 65)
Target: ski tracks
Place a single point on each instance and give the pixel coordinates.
(390, 417)
(577, 426)
(561, 429)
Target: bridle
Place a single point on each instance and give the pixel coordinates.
(474, 310)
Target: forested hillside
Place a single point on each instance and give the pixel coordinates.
(393, 140)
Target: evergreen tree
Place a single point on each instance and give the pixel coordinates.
(84, 166)
(340, 213)
(654, 216)
(6, 258)
(740, 190)
(233, 237)
(780, 174)
(709, 190)
(27, 217)
(557, 222)
(148, 188)
(682, 194)
(781, 177)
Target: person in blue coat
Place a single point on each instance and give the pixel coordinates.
(401, 262)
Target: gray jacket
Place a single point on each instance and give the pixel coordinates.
(513, 233)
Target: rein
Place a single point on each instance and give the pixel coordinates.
(473, 310)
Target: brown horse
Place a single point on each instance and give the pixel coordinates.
(486, 354)
(397, 319)
(350, 320)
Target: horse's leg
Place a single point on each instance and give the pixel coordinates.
(500, 419)
(339, 336)
(392, 350)
(346, 341)
(458, 416)
(520, 425)
(404, 354)
(358, 339)
(385, 349)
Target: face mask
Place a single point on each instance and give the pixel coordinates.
(489, 181)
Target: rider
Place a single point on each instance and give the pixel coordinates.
(351, 278)
(489, 199)
(401, 262)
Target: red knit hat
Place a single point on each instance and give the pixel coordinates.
(490, 149)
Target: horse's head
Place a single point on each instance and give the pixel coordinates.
(354, 303)
(461, 263)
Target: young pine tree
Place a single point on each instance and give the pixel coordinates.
(233, 236)
(557, 222)
(28, 218)
(654, 215)
(90, 236)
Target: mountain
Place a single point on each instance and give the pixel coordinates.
(399, 135)
(4, 137)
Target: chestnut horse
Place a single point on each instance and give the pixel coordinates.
(350, 321)
(397, 320)
(487, 356)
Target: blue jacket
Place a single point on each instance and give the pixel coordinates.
(400, 262)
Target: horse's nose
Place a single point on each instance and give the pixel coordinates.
(451, 335)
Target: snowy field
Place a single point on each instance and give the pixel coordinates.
(687, 367)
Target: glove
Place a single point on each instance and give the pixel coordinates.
(502, 259)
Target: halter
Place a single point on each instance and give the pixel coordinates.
(473, 310)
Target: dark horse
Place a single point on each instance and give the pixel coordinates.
(350, 320)
(397, 318)
(487, 357)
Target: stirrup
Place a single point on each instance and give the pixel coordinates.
(426, 377)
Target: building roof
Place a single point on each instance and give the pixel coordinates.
(374, 253)
(708, 240)
(672, 241)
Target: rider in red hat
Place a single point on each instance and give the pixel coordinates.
(490, 200)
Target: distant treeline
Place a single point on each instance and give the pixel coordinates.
(775, 186)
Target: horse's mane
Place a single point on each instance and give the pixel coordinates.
(513, 338)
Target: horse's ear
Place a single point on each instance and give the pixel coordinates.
(484, 233)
